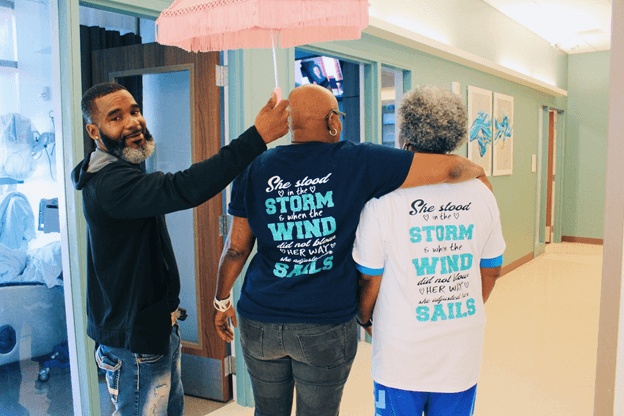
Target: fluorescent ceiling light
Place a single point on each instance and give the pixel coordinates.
(418, 28)
(544, 79)
(538, 20)
(516, 67)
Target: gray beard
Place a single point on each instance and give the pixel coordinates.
(136, 156)
(126, 153)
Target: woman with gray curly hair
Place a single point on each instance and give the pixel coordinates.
(432, 120)
(428, 259)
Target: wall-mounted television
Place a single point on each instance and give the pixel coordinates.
(320, 70)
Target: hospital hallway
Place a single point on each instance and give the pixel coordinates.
(540, 341)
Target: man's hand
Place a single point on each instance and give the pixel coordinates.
(221, 324)
(466, 170)
(271, 121)
(369, 331)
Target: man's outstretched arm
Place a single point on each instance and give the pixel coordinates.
(431, 169)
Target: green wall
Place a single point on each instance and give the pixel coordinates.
(586, 145)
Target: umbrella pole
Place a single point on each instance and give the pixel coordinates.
(277, 90)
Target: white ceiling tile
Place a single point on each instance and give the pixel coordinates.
(571, 18)
(602, 14)
(599, 42)
(559, 21)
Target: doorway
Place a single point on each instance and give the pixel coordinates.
(175, 81)
(550, 178)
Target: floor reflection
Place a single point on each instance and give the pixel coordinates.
(21, 392)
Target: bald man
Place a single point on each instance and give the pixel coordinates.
(302, 203)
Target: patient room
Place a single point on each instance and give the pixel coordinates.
(34, 359)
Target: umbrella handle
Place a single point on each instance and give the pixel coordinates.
(278, 92)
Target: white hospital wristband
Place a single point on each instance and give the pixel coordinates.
(223, 305)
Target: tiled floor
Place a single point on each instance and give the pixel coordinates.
(540, 347)
(539, 356)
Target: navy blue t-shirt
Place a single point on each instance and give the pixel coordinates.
(303, 205)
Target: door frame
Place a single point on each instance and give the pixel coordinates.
(206, 360)
(67, 85)
(113, 77)
(540, 200)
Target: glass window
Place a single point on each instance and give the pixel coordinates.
(343, 78)
(34, 355)
(391, 96)
(8, 49)
(9, 78)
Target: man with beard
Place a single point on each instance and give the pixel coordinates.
(132, 277)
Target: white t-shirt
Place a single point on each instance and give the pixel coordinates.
(429, 318)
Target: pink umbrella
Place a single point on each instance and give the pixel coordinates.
(215, 25)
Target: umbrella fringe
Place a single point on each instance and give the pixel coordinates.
(219, 27)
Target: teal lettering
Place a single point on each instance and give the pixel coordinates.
(428, 228)
(422, 313)
(313, 269)
(280, 232)
(459, 313)
(440, 232)
(465, 233)
(280, 269)
(466, 261)
(324, 200)
(312, 228)
(452, 263)
(450, 311)
(415, 234)
(424, 267)
(451, 231)
(438, 312)
(470, 303)
(282, 200)
(270, 206)
(296, 271)
(296, 204)
(329, 225)
(308, 202)
(327, 263)
(299, 225)
(443, 268)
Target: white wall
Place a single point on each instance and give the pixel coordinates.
(609, 393)
(469, 25)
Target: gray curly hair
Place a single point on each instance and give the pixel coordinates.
(432, 120)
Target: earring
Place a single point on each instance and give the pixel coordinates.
(334, 133)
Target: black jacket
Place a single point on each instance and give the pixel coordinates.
(132, 276)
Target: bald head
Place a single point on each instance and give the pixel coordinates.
(309, 105)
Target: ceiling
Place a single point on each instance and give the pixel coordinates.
(574, 26)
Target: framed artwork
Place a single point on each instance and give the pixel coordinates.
(480, 127)
(502, 145)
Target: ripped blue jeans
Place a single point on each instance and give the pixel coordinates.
(144, 384)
